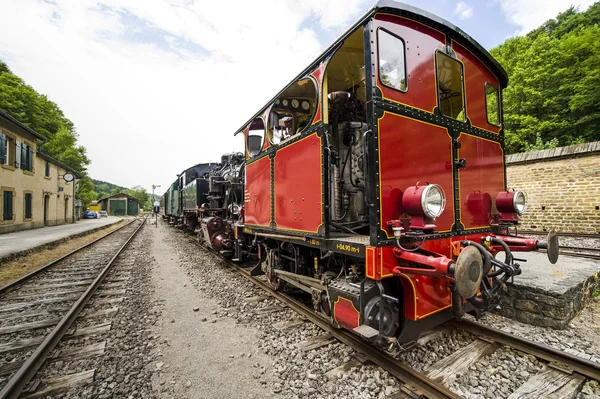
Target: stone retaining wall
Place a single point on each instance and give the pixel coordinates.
(545, 308)
(563, 187)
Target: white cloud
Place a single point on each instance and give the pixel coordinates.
(463, 10)
(529, 14)
(145, 102)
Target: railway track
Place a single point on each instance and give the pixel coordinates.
(562, 372)
(37, 311)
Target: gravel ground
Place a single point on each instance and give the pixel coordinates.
(581, 338)
(497, 375)
(187, 330)
(202, 353)
(292, 373)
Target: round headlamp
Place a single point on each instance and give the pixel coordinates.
(433, 201)
(520, 202)
(512, 202)
(428, 201)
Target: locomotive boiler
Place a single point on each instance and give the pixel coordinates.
(375, 180)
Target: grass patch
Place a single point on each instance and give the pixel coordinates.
(18, 267)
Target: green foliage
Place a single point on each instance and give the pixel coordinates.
(44, 116)
(4, 68)
(104, 189)
(553, 97)
(141, 195)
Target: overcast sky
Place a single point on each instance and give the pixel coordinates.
(155, 86)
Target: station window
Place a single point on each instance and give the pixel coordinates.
(256, 136)
(492, 104)
(7, 205)
(450, 86)
(392, 60)
(27, 197)
(7, 150)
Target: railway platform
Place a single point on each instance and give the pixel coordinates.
(550, 295)
(13, 244)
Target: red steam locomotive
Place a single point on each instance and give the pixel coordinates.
(375, 180)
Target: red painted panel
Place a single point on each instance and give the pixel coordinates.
(423, 295)
(345, 313)
(481, 180)
(257, 196)
(476, 75)
(420, 44)
(298, 184)
(411, 151)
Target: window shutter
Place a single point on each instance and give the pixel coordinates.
(30, 159)
(28, 206)
(17, 154)
(23, 156)
(2, 148)
(7, 208)
(47, 168)
(4, 205)
(10, 205)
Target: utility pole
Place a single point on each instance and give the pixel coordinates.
(154, 207)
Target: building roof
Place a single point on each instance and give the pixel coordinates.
(4, 115)
(54, 161)
(571, 151)
(118, 195)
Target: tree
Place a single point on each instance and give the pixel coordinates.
(42, 115)
(140, 193)
(552, 98)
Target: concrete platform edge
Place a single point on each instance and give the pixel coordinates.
(18, 254)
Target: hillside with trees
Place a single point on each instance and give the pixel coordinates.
(553, 96)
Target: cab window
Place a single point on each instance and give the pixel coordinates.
(492, 104)
(450, 87)
(392, 60)
(256, 136)
(293, 111)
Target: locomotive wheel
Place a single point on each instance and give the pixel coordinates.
(275, 282)
(390, 316)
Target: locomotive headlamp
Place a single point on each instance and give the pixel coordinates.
(424, 204)
(511, 202)
(428, 200)
(433, 201)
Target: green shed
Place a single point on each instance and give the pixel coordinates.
(120, 204)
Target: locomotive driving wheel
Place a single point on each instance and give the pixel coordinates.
(374, 312)
(268, 265)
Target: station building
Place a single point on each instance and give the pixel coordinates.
(120, 204)
(34, 188)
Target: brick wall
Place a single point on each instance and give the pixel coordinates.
(563, 187)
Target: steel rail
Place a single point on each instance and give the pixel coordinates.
(26, 373)
(412, 378)
(580, 249)
(581, 255)
(577, 364)
(564, 234)
(7, 287)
